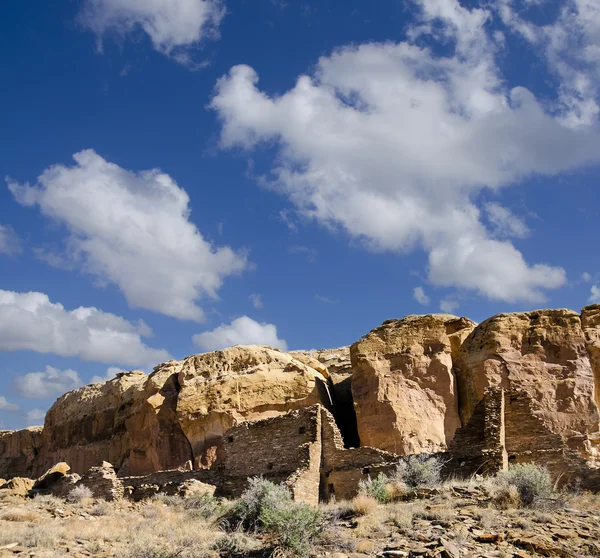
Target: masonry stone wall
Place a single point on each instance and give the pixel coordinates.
(343, 469)
(282, 449)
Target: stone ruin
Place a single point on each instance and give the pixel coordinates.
(516, 388)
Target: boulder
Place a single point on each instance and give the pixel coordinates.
(52, 476)
(403, 383)
(19, 486)
(549, 354)
(195, 487)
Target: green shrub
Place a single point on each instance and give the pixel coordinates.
(419, 470)
(377, 488)
(293, 527)
(531, 481)
(260, 495)
(201, 505)
(268, 508)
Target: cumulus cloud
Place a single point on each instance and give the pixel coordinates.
(595, 295)
(504, 222)
(241, 331)
(449, 306)
(420, 296)
(393, 142)
(570, 45)
(133, 230)
(111, 372)
(9, 241)
(586, 277)
(50, 383)
(172, 25)
(30, 321)
(6, 406)
(256, 300)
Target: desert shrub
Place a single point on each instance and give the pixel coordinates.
(419, 470)
(202, 505)
(377, 488)
(79, 494)
(260, 495)
(364, 504)
(293, 527)
(531, 481)
(101, 508)
(506, 496)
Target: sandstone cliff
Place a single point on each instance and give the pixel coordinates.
(403, 384)
(549, 355)
(174, 417)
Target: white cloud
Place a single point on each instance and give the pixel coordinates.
(48, 384)
(393, 143)
(133, 230)
(586, 277)
(9, 241)
(325, 299)
(29, 321)
(172, 25)
(420, 296)
(595, 296)
(241, 331)
(570, 46)
(111, 372)
(504, 222)
(256, 300)
(449, 306)
(35, 417)
(6, 406)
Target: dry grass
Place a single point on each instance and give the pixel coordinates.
(19, 515)
(585, 502)
(364, 505)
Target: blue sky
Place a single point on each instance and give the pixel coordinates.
(183, 175)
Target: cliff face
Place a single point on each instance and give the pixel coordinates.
(552, 355)
(174, 417)
(405, 387)
(403, 384)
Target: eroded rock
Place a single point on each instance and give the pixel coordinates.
(545, 354)
(403, 383)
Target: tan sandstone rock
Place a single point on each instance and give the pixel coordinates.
(172, 418)
(19, 486)
(18, 450)
(103, 482)
(403, 383)
(52, 476)
(222, 389)
(546, 354)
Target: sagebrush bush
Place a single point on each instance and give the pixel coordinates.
(260, 495)
(293, 527)
(377, 488)
(419, 470)
(268, 508)
(79, 493)
(532, 481)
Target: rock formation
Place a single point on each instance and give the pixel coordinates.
(403, 384)
(521, 387)
(171, 418)
(545, 354)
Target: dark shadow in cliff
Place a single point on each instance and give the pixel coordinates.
(343, 411)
